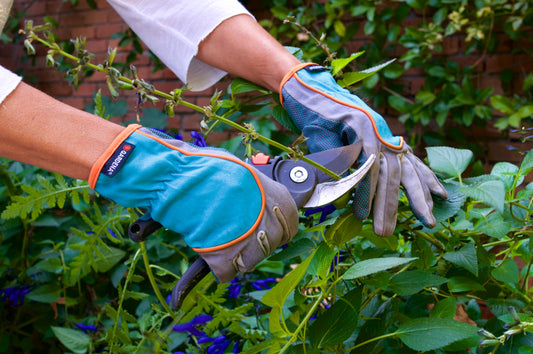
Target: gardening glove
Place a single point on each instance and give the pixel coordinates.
(229, 213)
(330, 116)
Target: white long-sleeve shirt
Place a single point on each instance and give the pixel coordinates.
(173, 30)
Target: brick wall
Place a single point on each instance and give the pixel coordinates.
(98, 25)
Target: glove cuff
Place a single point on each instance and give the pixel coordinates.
(96, 169)
(289, 75)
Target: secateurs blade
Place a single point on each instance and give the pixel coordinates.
(308, 186)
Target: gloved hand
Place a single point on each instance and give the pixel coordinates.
(330, 117)
(229, 213)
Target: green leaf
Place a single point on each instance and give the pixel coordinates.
(280, 114)
(527, 163)
(339, 28)
(47, 293)
(52, 265)
(461, 284)
(74, 340)
(506, 172)
(294, 249)
(411, 282)
(111, 256)
(444, 308)
(352, 77)
(491, 193)
(339, 64)
(321, 263)
(502, 104)
(465, 257)
(239, 85)
(279, 293)
(338, 322)
(343, 230)
(449, 161)
(507, 272)
(425, 334)
(446, 208)
(374, 265)
(277, 296)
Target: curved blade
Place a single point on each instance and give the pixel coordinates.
(192, 276)
(337, 160)
(327, 192)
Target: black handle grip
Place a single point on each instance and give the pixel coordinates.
(141, 229)
(192, 276)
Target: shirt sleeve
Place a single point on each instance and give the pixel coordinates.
(173, 30)
(8, 82)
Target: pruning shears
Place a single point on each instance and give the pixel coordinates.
(308, 186)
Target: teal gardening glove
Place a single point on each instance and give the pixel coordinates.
(330, 117)
(230, 214)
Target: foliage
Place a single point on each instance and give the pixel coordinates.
(73, 282)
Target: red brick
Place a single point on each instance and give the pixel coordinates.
(191, 122)
(37, 8)
(86, 31)
(106, 31)
(56, 89)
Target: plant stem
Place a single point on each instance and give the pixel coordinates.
(131, 271)
(153, 282)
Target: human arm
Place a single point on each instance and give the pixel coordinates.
(44, 132)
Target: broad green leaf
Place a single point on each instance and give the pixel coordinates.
(494, 225)
(507, 272)
(343, 230)
(425, 334)
(321, 263)
(527, 163)
(502, 104)
(283, 118)
(74, 340)
(47, 293)
(499, 306)
(449, 161)
(339, 64)
(338, 322)
(276, 296)
(506, 172)
(461, 284)
(491, 193)
(52, 265)
(294, 249)
(390, 243)
(411, 282)
(111, 256)
(465, 257)
(352, 77)
(444, 209)
(444, 308)
(339, 28)
(374, 265)
(239, 85)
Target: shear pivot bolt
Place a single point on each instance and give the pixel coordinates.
(298, 174)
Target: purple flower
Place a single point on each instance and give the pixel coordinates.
(198, 139)
(235, 288)
(262, 284)
(190, 326)
(325, 210)
(15, 294)
(86, 328)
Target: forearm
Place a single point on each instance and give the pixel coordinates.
(240, 46)
(41, 131)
